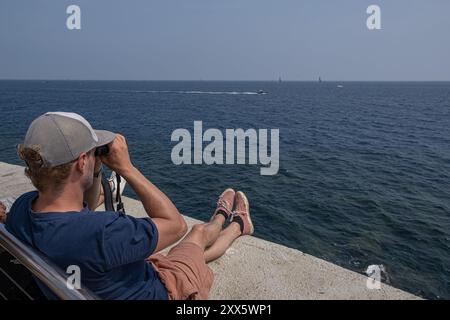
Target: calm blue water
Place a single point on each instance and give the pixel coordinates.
(364, 169)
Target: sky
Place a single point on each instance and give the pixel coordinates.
(225, 40)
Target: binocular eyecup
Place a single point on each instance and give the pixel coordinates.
(101, 151)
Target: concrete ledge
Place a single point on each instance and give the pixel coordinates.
(254, 268)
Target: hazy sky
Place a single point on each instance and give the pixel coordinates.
(225, 40)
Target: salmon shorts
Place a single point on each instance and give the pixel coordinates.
(183, 272)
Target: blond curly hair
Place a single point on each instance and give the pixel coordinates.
(43, 177)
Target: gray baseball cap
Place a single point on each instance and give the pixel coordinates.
(63, 136)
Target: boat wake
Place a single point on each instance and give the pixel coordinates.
(205, 92)
(260, 92)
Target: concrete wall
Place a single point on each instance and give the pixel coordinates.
(254, 268)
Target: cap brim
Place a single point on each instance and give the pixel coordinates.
(104, 137)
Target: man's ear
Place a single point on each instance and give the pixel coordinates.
(82, 162)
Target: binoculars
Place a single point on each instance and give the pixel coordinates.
(101, 151)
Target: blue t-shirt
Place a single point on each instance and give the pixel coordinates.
(109, 247)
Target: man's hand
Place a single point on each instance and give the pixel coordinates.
(118, 158)
(2, 213)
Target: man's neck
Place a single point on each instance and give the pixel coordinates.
(64, 201)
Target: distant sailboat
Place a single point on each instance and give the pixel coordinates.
(279, 80)
(320, 80)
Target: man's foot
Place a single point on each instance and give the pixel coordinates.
(241, 214)
(225, 204)
(113, 183)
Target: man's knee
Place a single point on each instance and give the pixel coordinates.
(197, 235)
(198, 229)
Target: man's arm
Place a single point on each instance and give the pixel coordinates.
(169, 222)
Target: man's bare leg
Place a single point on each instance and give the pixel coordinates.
(241, 225)
(205, 234)
(215, 242)
(223, 242)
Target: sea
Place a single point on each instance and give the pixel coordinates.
(364, 167)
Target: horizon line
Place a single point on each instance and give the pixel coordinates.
(218, 80)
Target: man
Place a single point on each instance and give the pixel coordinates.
(115, 252)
